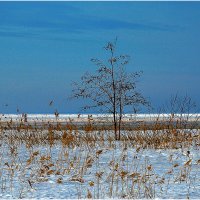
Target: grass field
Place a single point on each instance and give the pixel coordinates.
(64, 161)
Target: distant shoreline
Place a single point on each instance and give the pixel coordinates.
(99, 121)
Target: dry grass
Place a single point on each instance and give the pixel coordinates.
(73, 155)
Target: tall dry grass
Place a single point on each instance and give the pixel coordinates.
(32, 155)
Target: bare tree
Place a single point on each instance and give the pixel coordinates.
(182, 111)
(111, 89)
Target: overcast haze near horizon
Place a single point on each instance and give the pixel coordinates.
(44, 46)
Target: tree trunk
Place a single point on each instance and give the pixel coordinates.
(119, 134)
(115, 126)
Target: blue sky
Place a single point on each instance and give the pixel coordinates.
(44, 46)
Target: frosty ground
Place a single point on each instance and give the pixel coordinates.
(72, 163)
(62, 161)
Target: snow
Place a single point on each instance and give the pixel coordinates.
(163, 180)
(61, 117)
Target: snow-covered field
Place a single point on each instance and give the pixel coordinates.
(106, 169)
(84, 117)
